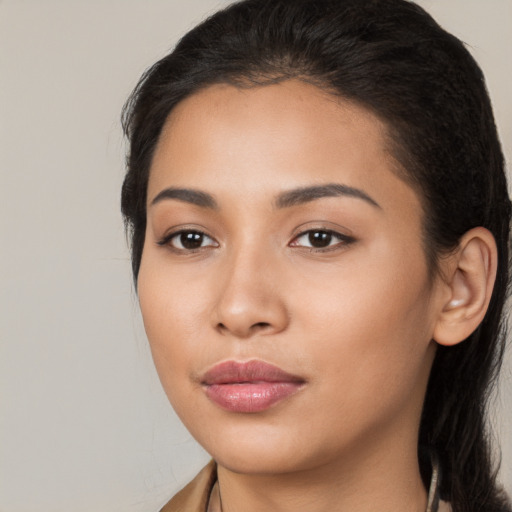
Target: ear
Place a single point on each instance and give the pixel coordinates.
(469, 279)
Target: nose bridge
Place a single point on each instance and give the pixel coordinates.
(250, 298)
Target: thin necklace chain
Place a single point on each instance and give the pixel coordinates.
(433, 492)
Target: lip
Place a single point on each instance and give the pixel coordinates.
(249, 387)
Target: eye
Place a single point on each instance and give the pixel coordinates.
(188, 240)
(321, 239)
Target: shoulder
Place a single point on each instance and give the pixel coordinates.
(195, 495)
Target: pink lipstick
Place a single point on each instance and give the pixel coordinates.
(251, 386)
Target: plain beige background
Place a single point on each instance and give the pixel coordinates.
(84, 425)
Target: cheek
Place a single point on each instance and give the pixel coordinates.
(370, 323)
(170, 299)
(171, 309)
(172, 329)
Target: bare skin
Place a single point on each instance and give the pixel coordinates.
(332, 287)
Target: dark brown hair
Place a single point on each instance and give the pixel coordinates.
(392, 58)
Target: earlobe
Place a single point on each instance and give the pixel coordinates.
(470, 281)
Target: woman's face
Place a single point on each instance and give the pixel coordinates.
(283, 282)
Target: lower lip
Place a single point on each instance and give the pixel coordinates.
(250, 397)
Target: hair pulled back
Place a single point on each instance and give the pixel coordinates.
(392, 58)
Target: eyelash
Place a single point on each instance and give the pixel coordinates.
(342, 240)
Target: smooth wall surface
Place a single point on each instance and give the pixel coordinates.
(84, 425)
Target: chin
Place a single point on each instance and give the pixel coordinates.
(262, 449)
(259, 461)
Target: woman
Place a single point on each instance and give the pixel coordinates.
(320, 223)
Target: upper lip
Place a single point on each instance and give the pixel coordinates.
(232, 372)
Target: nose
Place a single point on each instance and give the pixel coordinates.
(250, 297)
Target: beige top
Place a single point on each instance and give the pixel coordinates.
(195, 496)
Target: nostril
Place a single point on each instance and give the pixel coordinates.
(241, 331)
(260, 325)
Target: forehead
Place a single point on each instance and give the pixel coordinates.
(292, 107)
(279, 135)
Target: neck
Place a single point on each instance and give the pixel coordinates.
(387, 475)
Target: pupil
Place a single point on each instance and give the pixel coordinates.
(320, 238)
(191, 240)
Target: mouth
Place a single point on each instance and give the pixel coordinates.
(249, 387)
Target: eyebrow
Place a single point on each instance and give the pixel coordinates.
(187, 195)
(307, 194)
(284, 200)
